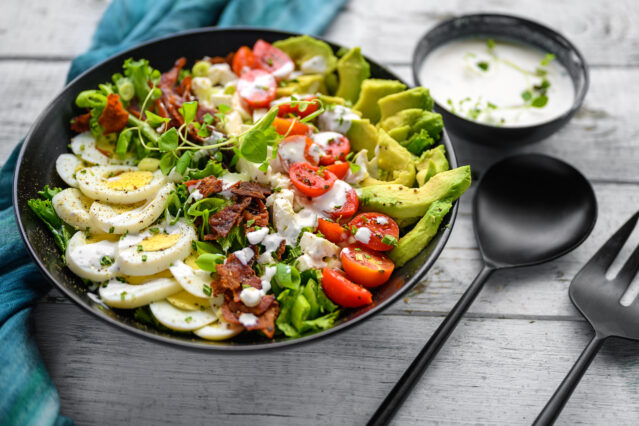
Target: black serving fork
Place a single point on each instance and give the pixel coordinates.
(598, 300)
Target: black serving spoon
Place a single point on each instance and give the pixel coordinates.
(528, 209)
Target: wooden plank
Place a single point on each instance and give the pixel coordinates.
(604, 31)
(491, 372)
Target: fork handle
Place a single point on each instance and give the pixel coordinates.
(556, 403)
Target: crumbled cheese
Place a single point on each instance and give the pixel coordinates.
(221, 74)
(381, 220)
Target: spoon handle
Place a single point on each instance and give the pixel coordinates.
(402, 388)
(556, 403)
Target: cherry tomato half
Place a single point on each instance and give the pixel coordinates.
(332, 231)
(339, 169)
(257, 88)
(365, 266)
(282, 125)
(243, 60)
(343, 291)
(379, 226)
(335, 146)
(286, 108)
(295, 149)
(272, 60)
(348, 209)
(310, 180)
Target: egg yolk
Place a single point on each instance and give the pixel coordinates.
(159, 242)
(190, 261)
(185, 300)
(144, 278)
(91, 239)
(123, 208)
(128, 181)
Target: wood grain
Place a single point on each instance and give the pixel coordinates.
(491, 372)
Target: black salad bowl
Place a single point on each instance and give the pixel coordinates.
(50, 135)
(514, 29)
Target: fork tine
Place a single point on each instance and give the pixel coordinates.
(630, 268)
(607, 253)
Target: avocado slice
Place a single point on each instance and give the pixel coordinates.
(309, 83)
(352, 69)
(408, 122)
(334, 100)
(373, 89)
(362, 135)
(418, 97)
(394, 163)
(407, 205)
(430, 163)
(302, 48)
(414, 241)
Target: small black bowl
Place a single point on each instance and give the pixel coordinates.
(515, 29)
(50, 135)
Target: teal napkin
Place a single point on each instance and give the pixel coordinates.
(27, 395)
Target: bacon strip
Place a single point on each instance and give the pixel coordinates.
(209, 185)
(220, 223)
(251, 189)
(81, 123)
(114, 117)
(265, 321)
(258, 213)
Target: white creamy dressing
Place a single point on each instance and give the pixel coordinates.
(333, 199)
(245, 255)
(292, 152)
(260, 85)
(88, 256)
(284, 71)
(337, 119)
(248, 320)
(452, 73)
(363, 235)
(381, 220)
(251, 296)
(323, 139)
(256, 237)
(314, 65)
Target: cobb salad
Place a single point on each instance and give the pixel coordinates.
(268, 191)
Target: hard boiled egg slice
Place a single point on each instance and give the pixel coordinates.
(151, 252)
(128, 296)
(220, 330)
(95, 261)
(192, 279)
(181, 319)
(113, 217)
(119, 184)
(73, 207)
(67, 165)
(100, 153)
(185, 300)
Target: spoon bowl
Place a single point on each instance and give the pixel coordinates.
(528, 209)
(531, 208)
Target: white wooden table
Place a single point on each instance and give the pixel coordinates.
(509, 353)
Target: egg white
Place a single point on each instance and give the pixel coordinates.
(109, 219)
(191, 280)
(94, 183)
(67, 165)
(127, 296)
(180, 319)
(134, 262)
(220, 330)
(73, 207)
(84, 259)
(83, 145)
